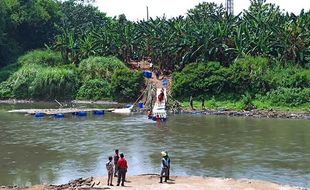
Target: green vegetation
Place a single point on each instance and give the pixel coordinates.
(248, 82)
(100, 68)
(95, 89)
(42, 75)
(239, 105)
(7, 71)
(126, 84)
(38, 82)
(41, 57)
(106, 78)
(256, 59)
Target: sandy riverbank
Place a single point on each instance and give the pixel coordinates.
(150, 182)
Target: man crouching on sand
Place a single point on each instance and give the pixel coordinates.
(164, 167)
(122, 169)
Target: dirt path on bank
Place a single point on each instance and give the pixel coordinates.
(150, 182)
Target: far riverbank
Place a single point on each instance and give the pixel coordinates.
(255, 113)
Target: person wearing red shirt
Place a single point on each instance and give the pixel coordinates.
(122, 169)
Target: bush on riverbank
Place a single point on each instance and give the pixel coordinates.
(246, 80)
(126, 85)
(43, 76)
(248, 75)
(108, 77)
(289, 96)
(96, 89)
(99, 68)
(51, 83)
(199, 79)
(7, 71)
(259, 104)
(39, 82)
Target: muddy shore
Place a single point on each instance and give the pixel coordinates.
(253, 113)
(150, 182)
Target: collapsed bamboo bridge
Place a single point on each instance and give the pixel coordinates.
(58, 111)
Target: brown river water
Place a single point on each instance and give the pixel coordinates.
(55, 151)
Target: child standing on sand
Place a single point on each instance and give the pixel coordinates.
(109, 166)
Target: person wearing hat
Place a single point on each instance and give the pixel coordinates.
(122, 169)
(164, 167)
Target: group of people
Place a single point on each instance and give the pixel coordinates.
(120, 169)
(117, 166)
(154, 69)
(158, 117)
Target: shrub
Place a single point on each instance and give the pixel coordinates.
(7, 71)
(126, 85)
(5, 90)
(41, 57)
(100, 67)
(20, 81)
(54, 82)
(199, 79)
(95, 89)
(247, 101)
(35, 81)
(289, 96)
(289, 77)
(300, 79)
(249, 75)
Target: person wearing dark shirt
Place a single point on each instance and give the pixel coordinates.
(122, 169)
(164, 167)
(116, 158)
(168, 161)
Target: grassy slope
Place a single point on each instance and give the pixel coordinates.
(239, 105)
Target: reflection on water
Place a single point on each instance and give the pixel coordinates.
(55, 151)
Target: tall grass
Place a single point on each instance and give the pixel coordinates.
(99, 68)
(7, 71)
(40, 82)
(41, 57)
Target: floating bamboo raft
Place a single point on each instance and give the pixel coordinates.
(57, 111)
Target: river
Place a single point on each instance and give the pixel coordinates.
(53, 151)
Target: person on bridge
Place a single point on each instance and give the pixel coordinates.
(157, 73)
(161, 96)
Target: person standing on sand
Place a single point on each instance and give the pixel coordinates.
(116, 158)
(168, 160)
(122, 169)
(164, 167)
(109, 166)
